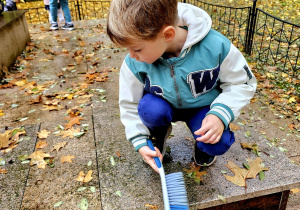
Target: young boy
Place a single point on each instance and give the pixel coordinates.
(178, 69)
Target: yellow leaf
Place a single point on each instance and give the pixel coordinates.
(43, 134)
(68, 133)
(296, 190)
(37, 158)
(1, 113)
(148, 206)
(59, 145)
(67, 159)
(82, 178)
(292, 99)
(284, 74)
(41, 145)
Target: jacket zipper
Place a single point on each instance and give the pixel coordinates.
(176, 87)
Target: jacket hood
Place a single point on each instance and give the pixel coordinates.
(197, 21)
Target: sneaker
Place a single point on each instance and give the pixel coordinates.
(68, 27)
(54, 26)
(159, 140)
(201, 158)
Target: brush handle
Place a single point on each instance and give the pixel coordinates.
(162, 177)
(156, 159)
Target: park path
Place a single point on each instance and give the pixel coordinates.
(80, 70)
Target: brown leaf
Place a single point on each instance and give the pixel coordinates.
(195, 169)
(250, 146)
(37, 100)
(59, 145)
(118, 154)
(72, 121)
(52, 107)
(4, 139)
(148, 206)
(41, 145)
(37, 158)
(68, 133)
(67, 158)
(43, 134)
(82, 178)
(241, 174)
(255, 167)
(3, 171)
(234, 127)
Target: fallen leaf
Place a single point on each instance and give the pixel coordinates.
(37, 158)
(68, 133)
(52, 108)
(72, 121)
(296, 190)
(234, 127)
(67, 158)
(59, 145)
(3, 171)
(195, 173)
(4, 139)
(85, 178)
(148, 206)
(241, 174)
(43, 134)
(41, 145)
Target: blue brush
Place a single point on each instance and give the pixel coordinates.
(173, 187)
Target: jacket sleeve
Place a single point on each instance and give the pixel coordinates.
(130, 93)
(238, 86)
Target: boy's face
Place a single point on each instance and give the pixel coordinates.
(147, 51)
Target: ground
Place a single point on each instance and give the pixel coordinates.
(74, 69)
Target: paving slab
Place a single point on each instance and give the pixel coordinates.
(59, 182)
(12, 184)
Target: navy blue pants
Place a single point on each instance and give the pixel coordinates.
(157, 114)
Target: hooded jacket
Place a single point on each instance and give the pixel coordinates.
(209, 71)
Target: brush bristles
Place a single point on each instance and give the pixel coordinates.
(176, 191)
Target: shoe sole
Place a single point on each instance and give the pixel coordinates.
(54, 29)
(212, 162)
(69, 29)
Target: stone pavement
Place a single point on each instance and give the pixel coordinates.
(121, 180)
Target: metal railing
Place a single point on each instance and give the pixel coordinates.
(254, 31)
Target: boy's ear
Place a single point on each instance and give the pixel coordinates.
(168, 33)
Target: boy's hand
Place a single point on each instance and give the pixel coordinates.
(211, 130)
(149, 154)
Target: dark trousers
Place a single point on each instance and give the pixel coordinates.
(157, 114)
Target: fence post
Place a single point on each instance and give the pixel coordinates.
(78, 9)
(251, 28)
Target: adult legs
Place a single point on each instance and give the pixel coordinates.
(65, 7)
(53, 10)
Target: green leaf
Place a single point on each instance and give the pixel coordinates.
(247, 134)
(93, 189)
(119, 193)
(89, 163)
(58, 204)
(81, 189)
(222, 198)
(2, 162)
(224, 172)
(168, 149)
(282, 149)
(23, 157)
(25, 161)
(112, 160)
(83, 205)
(261, 175)
(78, 134)
(246, 166)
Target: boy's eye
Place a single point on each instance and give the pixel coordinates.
(137, 50)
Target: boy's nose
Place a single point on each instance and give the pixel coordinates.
(132, 54)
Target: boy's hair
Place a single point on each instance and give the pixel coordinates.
(130, 20)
